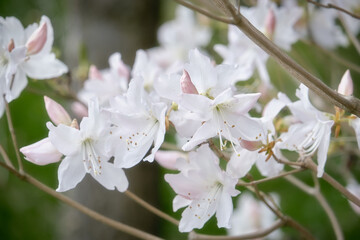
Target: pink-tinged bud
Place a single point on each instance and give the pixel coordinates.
(37, 40)
(186, 85)
(167, 159)
(251, 145)
(41, 152)
(56, 112)
(123, 70)
(94, 73)
(270, 23)
(346, 86)
(11, 45)
(79, 109)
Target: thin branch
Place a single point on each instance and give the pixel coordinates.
(337, 58)
(351, 197)
(6, 157)
(151, 208)
(286, 162)
(206, 13)
(315, 191)
(13, 136)
(258, 234)
(241, 183)
(352, 37)
(288, 220)
(349, 103)
(217, 151)
(91, 213)
(329, 5)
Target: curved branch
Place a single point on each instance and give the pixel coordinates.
(258, 234)
(351, 104)
(87, 211)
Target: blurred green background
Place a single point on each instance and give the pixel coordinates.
(28, 213)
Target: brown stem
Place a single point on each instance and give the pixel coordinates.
(351, 104)
(6, 157)
(91, 213)
(351, 197)
(258, 234)
(151, 208)
(241, 183)
(329, 5)
(13, 136)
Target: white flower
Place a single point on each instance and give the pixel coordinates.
(251, 216)
(177, 37)
(107, 83)
(221, 112)
(138, 123)
(204, 188)
(84, 151)
(311, 133)
(26, 53)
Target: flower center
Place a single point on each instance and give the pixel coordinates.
(91, 160)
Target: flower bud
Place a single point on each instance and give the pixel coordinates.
(167, 159)
(56, 112)
(79, 109)
(94, 73)
(346, 86)
(41, 152)
(37, 39)
(123, 70)
(186, 85)
(270, 23)
(250, 145)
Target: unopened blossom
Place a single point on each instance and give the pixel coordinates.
(107, 83)
(44, 152)
(26, 52)
(346, 86)
(311, 133)
(204, 188)
(84, 151)
(251, 216)
(138, 125)
(222, 112)
(167, 159)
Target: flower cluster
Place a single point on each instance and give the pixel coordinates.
(179, 86)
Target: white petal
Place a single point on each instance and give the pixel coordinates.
(224, 210)
(180, 202)
(206, 131)
(323, 148)
(198, 104)
(112, 177)
(356, 125)
(240, 165)
(65, 139)
(44, 66)
(71, 171)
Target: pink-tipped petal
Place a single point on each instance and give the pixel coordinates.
(123, 70)
(41, 152)
(79, 109)
(167, 159)
(186, 84)
(94, 73)
(346, 86)
(270, 23)
(251, 145)
(56, 112)
(37, 40)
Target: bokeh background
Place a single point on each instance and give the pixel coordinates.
(89, 32)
